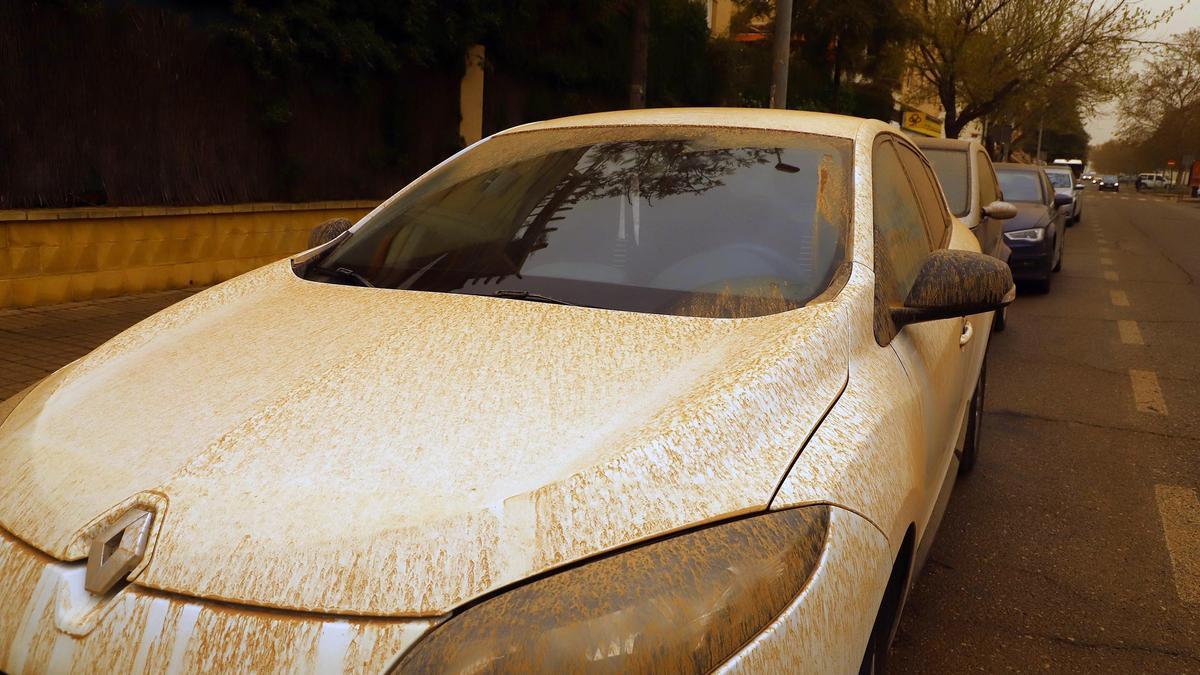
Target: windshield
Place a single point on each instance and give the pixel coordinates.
(1020, 186)
(684, 221)
(951, 169)
(1061, 179)
(1109, 179)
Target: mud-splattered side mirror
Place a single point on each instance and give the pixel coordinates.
(956, 283)
(1000, 210)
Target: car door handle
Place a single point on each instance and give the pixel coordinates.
(968, 332)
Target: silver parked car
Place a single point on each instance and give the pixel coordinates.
(1063, 180)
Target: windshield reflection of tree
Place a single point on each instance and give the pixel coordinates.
(649, 170)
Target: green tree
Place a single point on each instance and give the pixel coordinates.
(847, 55)
(980, 58)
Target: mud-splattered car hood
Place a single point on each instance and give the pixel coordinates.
(340, 449)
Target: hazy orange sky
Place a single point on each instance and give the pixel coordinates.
(1104, 125)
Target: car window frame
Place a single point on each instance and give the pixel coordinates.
(884, 326)
(984, 161)
(940, 207)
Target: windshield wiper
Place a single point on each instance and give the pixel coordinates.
(534, 297)
(344, 273)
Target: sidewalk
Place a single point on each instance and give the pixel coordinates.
(37, 341)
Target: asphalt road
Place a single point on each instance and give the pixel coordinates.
(1075, 545)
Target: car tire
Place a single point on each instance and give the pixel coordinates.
(970, 449)
(1000, 320)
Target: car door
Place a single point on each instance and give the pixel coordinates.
(987, 187)
(911, 220)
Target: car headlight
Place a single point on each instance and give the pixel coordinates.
(1033, 234)
(685, 603)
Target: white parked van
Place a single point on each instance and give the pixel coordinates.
(1152, 181)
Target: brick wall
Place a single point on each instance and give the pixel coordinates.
(54, 256)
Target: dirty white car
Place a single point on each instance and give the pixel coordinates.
(663, 391)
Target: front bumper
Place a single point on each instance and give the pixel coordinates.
(1031, 261)
(49, 624)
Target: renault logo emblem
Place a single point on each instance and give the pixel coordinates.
(116, 550)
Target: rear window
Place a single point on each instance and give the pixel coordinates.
(666, 220)
(1020, 186)
(1061, 179)
(953, 172)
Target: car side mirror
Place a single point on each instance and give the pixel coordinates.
(1062, 199)
(956, 283)
(328, 231)
(1000, 210)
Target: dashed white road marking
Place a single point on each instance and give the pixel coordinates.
(1130, 333)
(1147, 395)
(1118, 298)
(1104, 250)
(1106, 261)
(1110, 275)
(1102, 241)
(1180, 512)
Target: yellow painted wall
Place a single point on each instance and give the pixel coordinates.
(720, 16)
(66, 255)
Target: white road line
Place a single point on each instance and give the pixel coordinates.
(1102, 241)
(1147, 396)
(1110, 275)
(1130, 333)
(1180, 512)
(1105, 250)
(1106, 261)
(1118, 298)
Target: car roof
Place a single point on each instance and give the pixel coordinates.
(824, 124)
(1014, 166)
(960, 144)
(1061, 168)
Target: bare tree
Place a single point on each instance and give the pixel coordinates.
(981, 57)
(1168, 84)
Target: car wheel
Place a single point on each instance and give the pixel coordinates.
(970, 450)
(1000, 321)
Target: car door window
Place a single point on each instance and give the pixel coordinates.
(901, 238)
(925, 185)
(989, 190)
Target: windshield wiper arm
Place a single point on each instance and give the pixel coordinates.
(344, 273)
(534, 297)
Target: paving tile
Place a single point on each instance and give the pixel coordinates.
(37, 341)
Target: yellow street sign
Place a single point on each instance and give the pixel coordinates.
(920, 123)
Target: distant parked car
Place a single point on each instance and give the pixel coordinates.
(1109, 184)
(1064, 184)
(1152, 181)
(1036, 235)
(973, 193)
